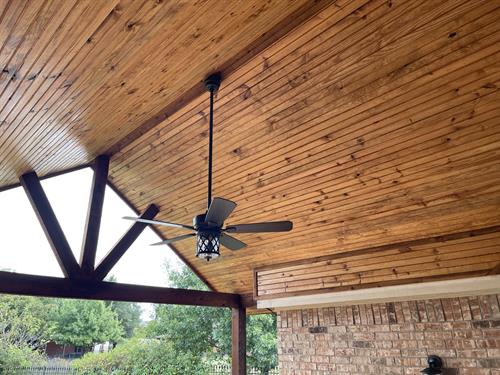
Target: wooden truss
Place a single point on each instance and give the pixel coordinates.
(84, 279)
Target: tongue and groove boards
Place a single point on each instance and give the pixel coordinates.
(79, 76)
(374, 122)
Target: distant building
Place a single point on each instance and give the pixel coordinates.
(103, 347)
(55, 350)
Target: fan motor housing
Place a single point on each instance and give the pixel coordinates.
(198, 221)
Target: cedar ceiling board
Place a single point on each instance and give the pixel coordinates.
(92, 81)
(311, 267)
(155, 167)
(400, 263)
(73, 33)
(356, 156)
(371, 123)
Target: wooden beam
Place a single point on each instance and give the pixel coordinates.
(94, 214)
(46, 176)
(123, 244)
(472, 286)
(45, 286)
(57, 240)
(239, 338)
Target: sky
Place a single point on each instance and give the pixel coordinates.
(24, 247)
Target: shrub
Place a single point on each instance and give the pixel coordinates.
(137, 357)
(13, 356)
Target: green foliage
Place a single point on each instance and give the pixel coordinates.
(138, 357)
(181, 340)
(262, 342)
(206, 331)
(24, 329)
(184, 278)
(25, 320)
(128, 314)
(192, 328)
(84, 323)
(12, 356)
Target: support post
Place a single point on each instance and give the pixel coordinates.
(48, 220)
(239, 338)
(94, 214)
(123, 244)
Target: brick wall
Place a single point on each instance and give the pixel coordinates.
(392, 338)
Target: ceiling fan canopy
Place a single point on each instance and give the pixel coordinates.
(208, 228)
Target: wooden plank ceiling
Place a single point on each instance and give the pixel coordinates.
(79, 76)
(365, 122)
(454, 255)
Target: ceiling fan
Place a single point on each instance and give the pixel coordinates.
(209, 227)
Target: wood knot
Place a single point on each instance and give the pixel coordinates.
(132, 25)
(246, 92)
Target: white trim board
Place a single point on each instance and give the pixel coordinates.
(473, 286)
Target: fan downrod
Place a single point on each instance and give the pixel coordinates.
(208, 227)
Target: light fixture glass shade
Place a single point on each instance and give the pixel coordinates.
(207, 245)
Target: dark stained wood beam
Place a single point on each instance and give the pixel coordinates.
(239, 338)
(123, 244)
(46, 176)
(58, 242)
(94, 214)
(45, 286)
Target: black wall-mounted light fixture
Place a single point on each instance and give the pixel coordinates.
(434, 365)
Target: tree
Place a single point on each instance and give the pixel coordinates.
(262, 343)
(191, 328)
(84, 323)
(25, 320)
(206, 331)
(128, 313)
(24, 330)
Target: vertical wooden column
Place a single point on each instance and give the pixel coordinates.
(239, 336)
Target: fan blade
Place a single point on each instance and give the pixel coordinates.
(274, 226)
(159, 222)
(170, 240)
(231, 243)
(219, 210)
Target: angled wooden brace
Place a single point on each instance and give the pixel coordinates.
(45, 214)
(123, 244)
